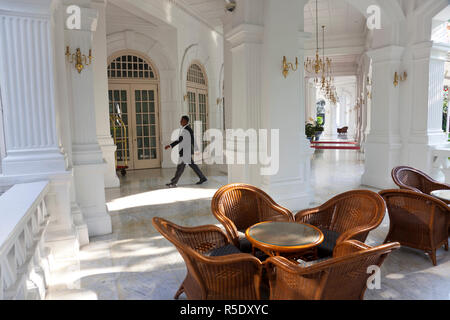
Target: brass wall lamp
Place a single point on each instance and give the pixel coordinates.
(79, 59)
(398, 79)
(289, 66)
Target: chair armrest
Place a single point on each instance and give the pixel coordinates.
(230, 228)
(282, 272)
(284, 211)
(353, 233)
(305, 216)
(439, 186)
(348, 247)
(202, 238)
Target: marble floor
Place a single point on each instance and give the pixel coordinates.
(137, 263)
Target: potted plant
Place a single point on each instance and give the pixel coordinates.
(310, 131)
(318, 128)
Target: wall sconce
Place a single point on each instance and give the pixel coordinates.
(185, 97)
(398, 79)
(219, 101)
(289, 66)
(79, 59)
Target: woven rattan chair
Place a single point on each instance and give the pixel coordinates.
(240, 206)
(351, 215)
(216, 269)
(343, 277)
(408, 178)
(417, 220)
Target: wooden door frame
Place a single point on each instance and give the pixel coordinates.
(147, 86)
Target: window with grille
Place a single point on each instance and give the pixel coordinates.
(130, 67)
(195, 75)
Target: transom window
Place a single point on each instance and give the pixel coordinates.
(195, 75)
(130, 67)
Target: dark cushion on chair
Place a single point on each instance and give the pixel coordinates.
(245, 245)
(329, 243)
(223, 251)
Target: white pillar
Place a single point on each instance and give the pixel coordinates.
(383, 145)
(427, 77)
(88, 160)
(31, 92)
(100, 66)
(263, 99)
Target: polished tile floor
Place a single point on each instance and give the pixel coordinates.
(135, 262)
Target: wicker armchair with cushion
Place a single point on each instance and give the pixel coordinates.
(240, 206)
(417, 220)
(408, 178)
(351, 215)
(344, 277)
(216, 269)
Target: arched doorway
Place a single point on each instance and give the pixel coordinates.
(197, 96)
(134, 96)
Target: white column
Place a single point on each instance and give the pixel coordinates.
(383, 146)
(427, 77)
(262, 98)
(88, 160)
(283, 102)
(100, 66)
(31, 92)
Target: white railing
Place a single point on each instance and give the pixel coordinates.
(441, 163)
(24, 262)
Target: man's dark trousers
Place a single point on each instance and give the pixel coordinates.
(180, 170)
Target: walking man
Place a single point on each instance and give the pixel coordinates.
(186, 144)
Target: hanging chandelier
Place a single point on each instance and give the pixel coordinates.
(316, 65)
(327, 81)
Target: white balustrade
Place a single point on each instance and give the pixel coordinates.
(24, 261)
(441, 163)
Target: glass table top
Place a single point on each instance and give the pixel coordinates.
(285, 234)
(442, 194)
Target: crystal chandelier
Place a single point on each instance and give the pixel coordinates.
(316, 65)
(327, 81)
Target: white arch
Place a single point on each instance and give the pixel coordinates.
(195, 53)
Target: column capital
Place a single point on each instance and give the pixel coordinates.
(245, 33)
(430, 49)
(385, 54)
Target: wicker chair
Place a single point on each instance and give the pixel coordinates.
(240, 206)
(408, 178)
(344, 277)
(417, 220)
(216, 270)
(351, 215)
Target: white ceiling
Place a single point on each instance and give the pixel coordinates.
(338, 17)
(210, 11)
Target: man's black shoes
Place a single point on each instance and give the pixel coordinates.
(171, 185)
(202, 181)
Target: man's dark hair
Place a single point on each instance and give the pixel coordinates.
(186, 118)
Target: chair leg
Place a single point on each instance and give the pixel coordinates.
(433, 257)
(179, 292)
(446, 246)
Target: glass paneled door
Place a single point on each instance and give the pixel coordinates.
(198, 109)
(139, 108)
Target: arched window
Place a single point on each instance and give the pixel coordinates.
(197, 94)
(130, 67)
(133, 96)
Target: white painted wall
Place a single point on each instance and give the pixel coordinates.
(173, 39)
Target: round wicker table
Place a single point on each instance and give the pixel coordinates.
(284, 238)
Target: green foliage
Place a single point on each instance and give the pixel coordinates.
(309, 130)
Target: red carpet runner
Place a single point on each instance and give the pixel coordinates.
(335, 145)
